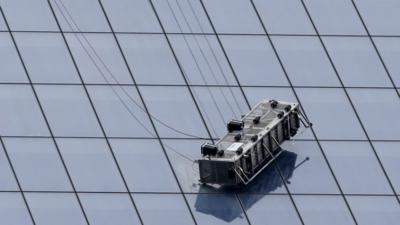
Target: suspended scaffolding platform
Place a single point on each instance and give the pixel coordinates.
(251, 143)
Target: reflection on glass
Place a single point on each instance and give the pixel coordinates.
(267, 181)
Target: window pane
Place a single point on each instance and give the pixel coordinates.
(68, 110)
(377, 109)
(380, 16)
(356, 61)
(50, 209)
(284, 17)
(173, 106)
(161, 208)
(202, 59)
(325, 15)
(29, 15)
(228, 101)
(356, 167)
(389, 48)
(87, 15)
(276, 209)
(252, 57)
(224, 16)
(144, 166)
(371, 210)
(320, 209)
(108, 66)
(389, 155)
(20, 114)
(7, 181)
(131, 16)
(309, 172)
(13, 210)
(114, 105)
(305, 61)
(255, 95)
(106, 209)
(216, 209)
(11, 69)
(46, 58)
(37, 164)
(91, 165)
(143, 51)
(183, 16)
(324, 107)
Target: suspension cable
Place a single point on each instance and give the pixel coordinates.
(212, 51)
(112, 87)
(109, 71)
(198, 66)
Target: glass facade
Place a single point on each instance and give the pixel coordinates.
(102, 100)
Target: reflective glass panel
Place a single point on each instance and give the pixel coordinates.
(11, 69)
(37, 164)
(389, 48)
(46, 58)
(20, 114)
(144, 165)
(13, 210)
(91, 165)
(389, 155)
(356, 167)
(159, 209)
(68, 110)
(7, 180)
(253, 60)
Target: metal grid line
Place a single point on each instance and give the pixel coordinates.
(351, 103)
(46, 121)
(298, 99)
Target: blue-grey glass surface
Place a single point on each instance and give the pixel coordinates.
(7, 179)
(389, 48)
(68, 110)
(104, 106)
(37, 164)
(175, 107)
(224, 15)
(284, 17)
(55, 208)
(179, 16)
(131, 16)
(13, 210)
(202, 60)
(380, 16)
(87, 15)
(350, 162)
(91, 165)
(160, 209)
(11, 68)
(305, 61)
(389, 155)
(323, 105)
(323, 209)
(335, 17)
(98, 58)
(135, 157)
(20, 113)
(251, 58)
(143, 52)
(272, 208)
(46, 58)
(217, 209)
(375, 209)
(105, 209)
(356, 61)
(27, 15)
(371, 106)
(107, 103)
